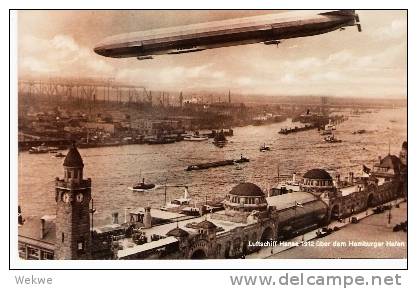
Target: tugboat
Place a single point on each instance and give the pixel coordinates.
(242, 159)
(264, 148)
(220, 139)
(142, 186)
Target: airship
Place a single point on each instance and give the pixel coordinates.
(270, 29)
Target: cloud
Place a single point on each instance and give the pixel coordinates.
(60, 55)
(397, 29)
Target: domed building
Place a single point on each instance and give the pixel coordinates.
(245, 198)
(317, 181)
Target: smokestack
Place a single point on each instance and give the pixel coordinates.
(147, 218)
(379, 159)
(293, 177)
(115, 218)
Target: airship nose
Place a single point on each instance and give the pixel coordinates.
(100, 50)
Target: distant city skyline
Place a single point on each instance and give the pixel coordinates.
(347, 63)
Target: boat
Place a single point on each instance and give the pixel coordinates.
(360, 131)
(195, 137)
(264, 148)
(59, 155)
(326, 132)
(176, 203)
(286, 186)
(204, 166)
(142, 186)
(42, 149)
(209, 165)
(331, 139)
(160, 140)
(295, 129)
(329, 126)
(191, 211)
(242, 159)
(220, 139)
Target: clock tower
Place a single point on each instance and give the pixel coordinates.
(72, 196)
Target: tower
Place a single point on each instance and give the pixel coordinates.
(72, 196)
(404, 153)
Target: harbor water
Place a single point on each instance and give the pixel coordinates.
(114, 169)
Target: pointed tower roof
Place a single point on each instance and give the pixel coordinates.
(73, 158)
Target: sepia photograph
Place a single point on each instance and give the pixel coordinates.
(211, 134)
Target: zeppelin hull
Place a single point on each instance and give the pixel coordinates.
(195, 38)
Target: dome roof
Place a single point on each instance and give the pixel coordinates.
(247, 189)
(177, 232)
(317, 174)
(206, 225)
(73, 158)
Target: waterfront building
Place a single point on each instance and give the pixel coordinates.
(249, 217)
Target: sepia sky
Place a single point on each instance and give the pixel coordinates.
(341, 63)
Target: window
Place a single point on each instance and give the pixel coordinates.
(62, 237)
(33, 253)
(46, 255)
(81, 246)
(22, 251)
(69, 174)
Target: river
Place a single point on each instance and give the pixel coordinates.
(114, 169)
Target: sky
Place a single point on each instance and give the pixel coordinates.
(346, 63)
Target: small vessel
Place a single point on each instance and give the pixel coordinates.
(331, 139)
(195, 137)
(264, 148)
(142, 186)
(242, 159)
(160, 140)
(59, 155)
(360, 131)
(330, 126)
(39, 149)
(288, 185)
(191, 211)
(176, 203)
(220, 139)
